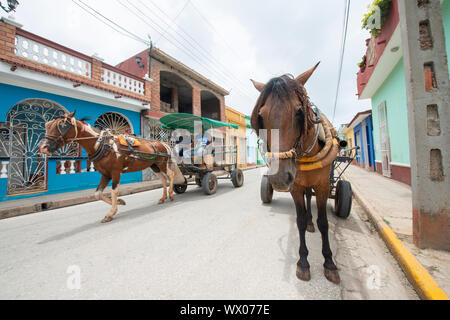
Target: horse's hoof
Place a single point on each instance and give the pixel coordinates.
(310, 228)
(303, 274)
(107, 219)
(121, 202)
(332, 275)
(161, 201)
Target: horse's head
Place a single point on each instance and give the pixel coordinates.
(58, 132)
(283, 107)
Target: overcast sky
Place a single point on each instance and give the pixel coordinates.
(227, 41)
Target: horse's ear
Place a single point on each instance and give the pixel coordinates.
(304, 77)
(71, 115)
(258, 85)
(254, 120)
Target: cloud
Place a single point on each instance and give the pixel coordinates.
(242, 40)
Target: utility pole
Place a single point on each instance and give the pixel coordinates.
(427, 87)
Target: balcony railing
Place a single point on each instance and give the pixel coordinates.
(122, 81)
(376, 47)
(73, 166)
(42, 53)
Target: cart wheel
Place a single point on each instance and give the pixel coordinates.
(343, 199)
(209, 183)
(198, 181)
(237, 177)
(180, 188)
(266, 190)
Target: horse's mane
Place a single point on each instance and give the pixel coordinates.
(281, 91)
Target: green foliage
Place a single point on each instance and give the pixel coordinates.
(384, 6)
(363, 63)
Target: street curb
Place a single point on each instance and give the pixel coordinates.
(56, 204)
(424, 284)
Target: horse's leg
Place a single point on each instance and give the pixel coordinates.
(171, 175)
(330, 269)
(310, 224)
(114, 198)
(163, 179)
(302, 272)
(101, 187)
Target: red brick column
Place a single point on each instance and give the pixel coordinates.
(7, 40)
(196, 102)
(222, 109)
(175, 98)
(148, 89)
(97, 70)
(155, 86)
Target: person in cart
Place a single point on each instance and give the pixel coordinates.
(202, 145)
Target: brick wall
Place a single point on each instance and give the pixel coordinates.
(7, 44)
(131, 66)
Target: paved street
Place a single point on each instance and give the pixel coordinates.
(226, 246)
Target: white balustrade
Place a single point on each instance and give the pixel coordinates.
(121, 81)
(72, 167)
(4, 170)
(91, 167)
(32, 50)
(62, 169)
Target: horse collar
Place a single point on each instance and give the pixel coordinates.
(313, 143)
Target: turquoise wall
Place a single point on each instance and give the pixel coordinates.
(393, 91)
(10, 95)
(446, 19)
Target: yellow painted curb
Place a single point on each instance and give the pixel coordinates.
(424, 284)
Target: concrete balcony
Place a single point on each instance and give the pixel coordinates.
(388, 42)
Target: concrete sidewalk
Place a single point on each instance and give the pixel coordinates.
(19, 207)
(393, 203)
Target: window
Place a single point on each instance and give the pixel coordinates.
(117, 123)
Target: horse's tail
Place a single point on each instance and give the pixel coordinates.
(172, 165)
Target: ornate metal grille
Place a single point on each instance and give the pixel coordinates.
(152, 130)
(27, 170)
(114, 121)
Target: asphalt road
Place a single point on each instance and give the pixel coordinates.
(225, 246)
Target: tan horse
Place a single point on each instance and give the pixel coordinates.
(111, 157)
(284, 105)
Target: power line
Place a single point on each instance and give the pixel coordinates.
(179, 13)
(344, 39)
(132, 35)
(224, 42)
(184, 48)
(104, 22)
(198, 46)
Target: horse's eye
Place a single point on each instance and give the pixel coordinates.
(301, 117)
(260, 122)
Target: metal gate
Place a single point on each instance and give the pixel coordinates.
(151, 129)
(27, 170)
(385, 148)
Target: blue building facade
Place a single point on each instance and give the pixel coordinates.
(363, 137)
(26, 173)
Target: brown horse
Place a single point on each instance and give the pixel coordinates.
(111, 157)
(284, 105)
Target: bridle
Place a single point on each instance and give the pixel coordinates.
(295, 152)
(68, 123)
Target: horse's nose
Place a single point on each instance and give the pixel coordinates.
(289, 178)
(44, 149)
